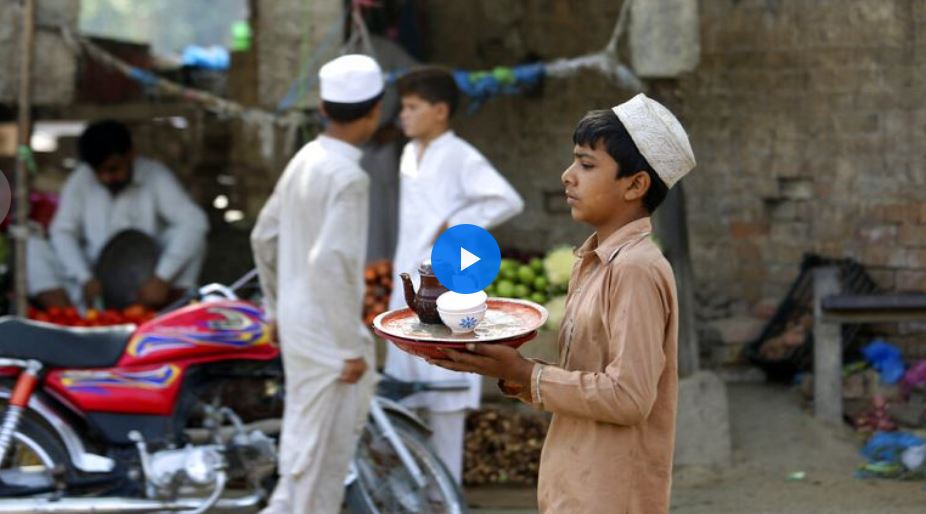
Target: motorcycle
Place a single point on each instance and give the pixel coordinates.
(181, 414)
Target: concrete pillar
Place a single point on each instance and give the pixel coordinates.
(288, 33)
(703, 435)
(670, 224)
(664, 37)
(55, 64)
(827, 350)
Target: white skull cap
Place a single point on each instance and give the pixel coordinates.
(350, 79)
(659, 136)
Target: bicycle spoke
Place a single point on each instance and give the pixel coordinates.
(388, 483)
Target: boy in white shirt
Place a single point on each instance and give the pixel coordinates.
(444, 181)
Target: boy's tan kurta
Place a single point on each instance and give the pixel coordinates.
(613, 395)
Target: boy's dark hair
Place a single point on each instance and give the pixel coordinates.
(346, 113)
(102, 140)
(434, 84)
(603, 125)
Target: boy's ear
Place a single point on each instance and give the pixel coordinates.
(375, 111)
(443, 110)
(321, 109)
(639, 184)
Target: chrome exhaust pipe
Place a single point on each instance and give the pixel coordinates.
(80, 505)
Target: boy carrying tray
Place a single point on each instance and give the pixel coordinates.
(613, 394)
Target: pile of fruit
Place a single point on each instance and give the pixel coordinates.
(540, 280)
(378, 278)
(70, 317)
(523, 280)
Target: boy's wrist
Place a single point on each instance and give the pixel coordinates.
(523, 373)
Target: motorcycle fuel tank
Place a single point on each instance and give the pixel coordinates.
(148, 376)
(209, 328)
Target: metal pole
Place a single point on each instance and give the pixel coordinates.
(22, 176)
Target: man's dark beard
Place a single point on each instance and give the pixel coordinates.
(116, 187)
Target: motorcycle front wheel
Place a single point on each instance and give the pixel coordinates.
(383, 484)
(34, 455)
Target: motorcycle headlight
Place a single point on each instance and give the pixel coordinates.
(201, 465)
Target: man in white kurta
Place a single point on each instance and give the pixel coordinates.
(45, 276)
(309, 245)
(452, 184)
(149, 199)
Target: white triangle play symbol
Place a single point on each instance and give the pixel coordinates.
(467, 259)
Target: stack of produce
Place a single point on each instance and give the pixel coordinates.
(503, 447)
(70, 317)
(523, 280)
(378, 277)
(543, 281)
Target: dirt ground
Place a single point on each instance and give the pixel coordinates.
(772, 437)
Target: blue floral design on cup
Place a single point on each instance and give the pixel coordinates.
(469, 322)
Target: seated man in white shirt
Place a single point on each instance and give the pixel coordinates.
(113, 190)
(45, 279)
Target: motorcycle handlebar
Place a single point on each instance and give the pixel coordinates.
(227, 292)
(180, 302)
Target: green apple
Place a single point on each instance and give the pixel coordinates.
(505, 289)
(537, 264)
(526, 275)
(541, 284)
(510, 274)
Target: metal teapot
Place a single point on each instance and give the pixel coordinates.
(424, 302)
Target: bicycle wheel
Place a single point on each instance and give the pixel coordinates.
(384, 485)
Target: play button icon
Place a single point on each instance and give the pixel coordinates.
(466, 259)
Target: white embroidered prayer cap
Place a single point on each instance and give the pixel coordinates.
(350, 79)
(659, 136)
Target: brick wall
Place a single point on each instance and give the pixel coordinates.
(528, 138)
(806, 118)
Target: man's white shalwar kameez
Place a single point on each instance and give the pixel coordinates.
(154, 203)
(309, 244)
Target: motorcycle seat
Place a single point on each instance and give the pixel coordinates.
(63, 347)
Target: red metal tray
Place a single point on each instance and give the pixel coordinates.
(507, 321)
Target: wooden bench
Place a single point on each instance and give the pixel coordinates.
(833, 309)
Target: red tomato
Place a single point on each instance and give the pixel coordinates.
(134, 311)
(109, 317)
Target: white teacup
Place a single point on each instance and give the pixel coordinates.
(462, 322)
(462, 312)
